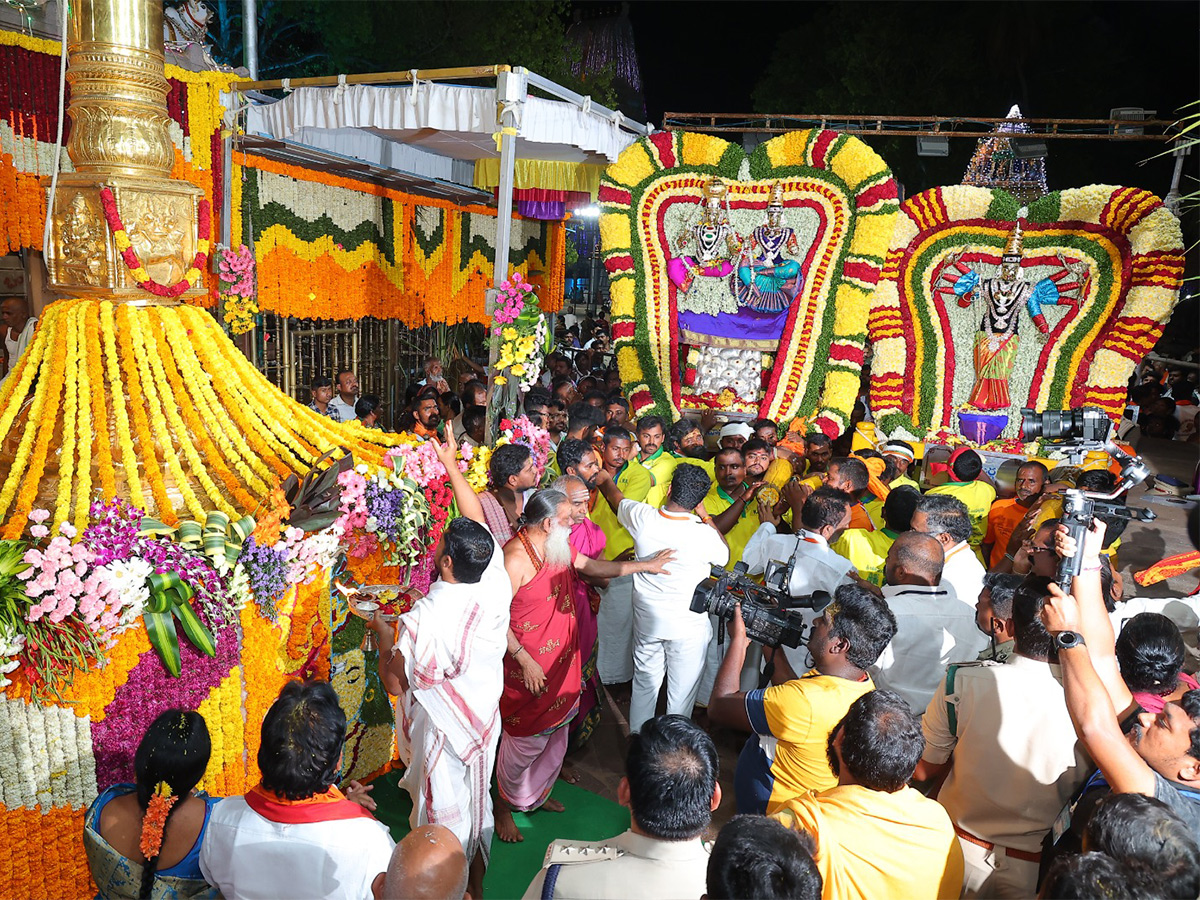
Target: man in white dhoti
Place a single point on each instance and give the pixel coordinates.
(446, 669)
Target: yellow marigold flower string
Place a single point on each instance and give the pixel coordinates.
(66, 456)
(185, 409)
(104, 462)
(199, 419)
(238, 399)
(158, 421)
(228, 438)
(19, 380)
(116, 391)
(85, 433)
(30, 475)
(141, 422)
(24, 447)
(184, 434)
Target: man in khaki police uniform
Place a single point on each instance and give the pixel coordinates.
(1003, 734)
(670, 768)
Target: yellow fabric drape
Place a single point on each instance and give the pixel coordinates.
(548, 175)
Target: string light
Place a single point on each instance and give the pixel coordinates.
(994, 165)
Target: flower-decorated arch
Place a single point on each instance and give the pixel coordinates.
(837, 181)
(1123, 243)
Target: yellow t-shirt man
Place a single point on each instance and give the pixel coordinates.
(866, 550)
(978, 496)
(873, 844)
(799, 714)
(716, 502)
(635, 483)
(660, 465)
(665, 468)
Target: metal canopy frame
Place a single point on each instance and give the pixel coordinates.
(296, 154)
(924, 126)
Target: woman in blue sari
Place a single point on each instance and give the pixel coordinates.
(143, 840)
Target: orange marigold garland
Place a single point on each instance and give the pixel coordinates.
(155, 820)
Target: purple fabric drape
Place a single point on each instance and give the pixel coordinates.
(542, 209)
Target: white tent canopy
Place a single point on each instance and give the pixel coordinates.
(447, 120)
(415, 121)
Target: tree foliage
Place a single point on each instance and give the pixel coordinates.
(320, 37)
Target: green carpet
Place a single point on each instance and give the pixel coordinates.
(588, 817)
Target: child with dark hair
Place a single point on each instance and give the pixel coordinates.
(1150, 653)
(135, 835)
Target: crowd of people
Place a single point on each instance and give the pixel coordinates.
(952, 724)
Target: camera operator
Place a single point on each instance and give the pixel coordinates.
(823, 517)
(792, 718)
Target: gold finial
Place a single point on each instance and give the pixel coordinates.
(715, 189)
(1012, 250)
(776, 198)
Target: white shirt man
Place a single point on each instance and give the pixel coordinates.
(825, 515)
(453, 642)
(817, 568)
(245, 854)
(668, 637)
(933, 629)
(964, 573)
(946, 518)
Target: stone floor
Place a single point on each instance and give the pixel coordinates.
(1145, 543)
(600, 765)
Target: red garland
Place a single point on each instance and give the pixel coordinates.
(129, 255)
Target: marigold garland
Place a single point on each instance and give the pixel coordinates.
(391, 265)
(130, 257)
(815, 372)
(116, 392)
(66, 464)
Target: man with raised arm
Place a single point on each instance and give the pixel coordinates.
(1160, 757)
(446, 671)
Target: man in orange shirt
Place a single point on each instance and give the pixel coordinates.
(1005, 515)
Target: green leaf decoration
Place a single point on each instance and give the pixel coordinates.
(160, 626)
(195, 630)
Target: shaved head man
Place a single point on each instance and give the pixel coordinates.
(934, 626)
(914, 558)
(428, 864)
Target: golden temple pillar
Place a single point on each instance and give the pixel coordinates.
(120, 140)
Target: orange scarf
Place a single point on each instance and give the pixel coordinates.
(329, 806)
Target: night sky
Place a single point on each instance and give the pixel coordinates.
(1056, 59)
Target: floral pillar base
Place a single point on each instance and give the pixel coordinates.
(982, 427)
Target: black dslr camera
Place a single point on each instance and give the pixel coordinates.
(767, 609)
(1088, 425)
(1085, 428)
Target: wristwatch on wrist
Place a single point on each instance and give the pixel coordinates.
(1065, 640)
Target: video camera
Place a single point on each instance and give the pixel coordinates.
(1081, 427)
(768, 610)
